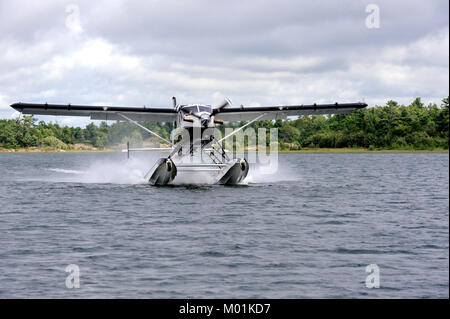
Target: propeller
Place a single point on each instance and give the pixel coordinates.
(225, 103)
(174, 101)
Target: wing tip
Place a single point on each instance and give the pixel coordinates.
(17, 106)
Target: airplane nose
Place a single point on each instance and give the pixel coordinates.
(205, 119)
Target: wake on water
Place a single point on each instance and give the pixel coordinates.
(108, 172)
(132, 171)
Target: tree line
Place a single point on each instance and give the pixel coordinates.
(392, 126)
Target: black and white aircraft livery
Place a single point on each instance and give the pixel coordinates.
(188, 118)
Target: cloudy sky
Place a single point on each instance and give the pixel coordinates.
(255, 52)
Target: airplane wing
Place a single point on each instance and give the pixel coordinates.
(99, 112)
(281, 112)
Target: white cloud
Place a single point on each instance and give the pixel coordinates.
(93, 54)
(431, 49)
(16, 115)
(3, 102)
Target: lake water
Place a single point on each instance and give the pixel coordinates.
(308, 231)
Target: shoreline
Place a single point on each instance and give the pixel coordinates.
(305, 150)
(364, 150)
(50, 150)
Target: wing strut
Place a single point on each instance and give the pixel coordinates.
(235, 131)
(143, 127)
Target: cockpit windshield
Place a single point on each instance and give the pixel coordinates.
(204, 108)
(190, 109)
(197, 109)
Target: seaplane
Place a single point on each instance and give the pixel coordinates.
(191, 118)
